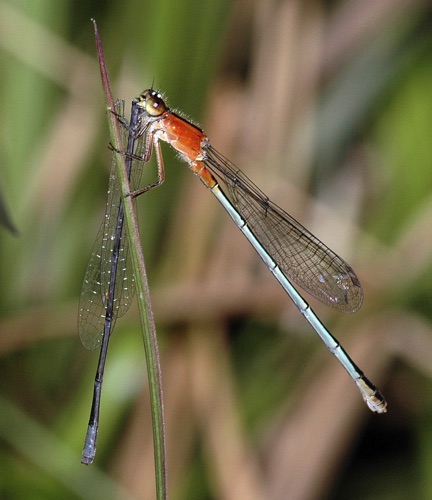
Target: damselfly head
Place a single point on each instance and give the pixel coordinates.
(152, 102)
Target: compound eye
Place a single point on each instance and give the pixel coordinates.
(154, 104)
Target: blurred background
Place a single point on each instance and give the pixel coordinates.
(327, 106)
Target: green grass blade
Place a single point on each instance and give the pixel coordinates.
(144, 302)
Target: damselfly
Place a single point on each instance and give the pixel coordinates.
(109, 286)
(289, 250)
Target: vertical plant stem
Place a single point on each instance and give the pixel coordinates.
(146, 314)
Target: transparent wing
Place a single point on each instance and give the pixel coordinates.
(92, 306)
(302, 257)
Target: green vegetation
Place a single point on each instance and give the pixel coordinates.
(327, 106)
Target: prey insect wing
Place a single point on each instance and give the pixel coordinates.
(93, 300)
